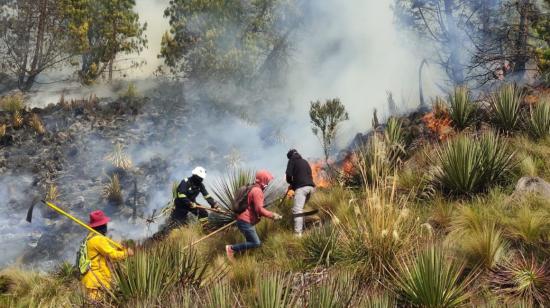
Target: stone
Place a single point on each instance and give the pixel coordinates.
(532, 185)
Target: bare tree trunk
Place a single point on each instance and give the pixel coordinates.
(521, 54)
(111, 70)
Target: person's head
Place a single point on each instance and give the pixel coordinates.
(263, 178)
(199, 173)
(293, 153)
(98, 221)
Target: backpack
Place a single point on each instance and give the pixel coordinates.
(83, 263)
(240, 202)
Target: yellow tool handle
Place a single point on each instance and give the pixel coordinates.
(60, 211)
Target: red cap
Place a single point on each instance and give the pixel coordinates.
(98, 218)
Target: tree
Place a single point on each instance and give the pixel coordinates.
(32, 38)
(326, 118)
(441, 23)
(101, 30)
(227, 40)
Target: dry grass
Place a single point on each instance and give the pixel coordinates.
(52, 194)
(2, 130)
(13, 103)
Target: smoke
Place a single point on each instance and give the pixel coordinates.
(346, 49)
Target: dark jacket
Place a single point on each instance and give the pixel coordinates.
(189, 189)
(298, 172)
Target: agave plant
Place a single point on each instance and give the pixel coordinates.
(461, 108)
(506, 105)
(150, 274)
(523, 279)
(118, 158)
(112, 190)
(538, 123)
(274, 291)
(432, 280)
(321, 247)
(337, 291)
(466, 165)
(220, 295)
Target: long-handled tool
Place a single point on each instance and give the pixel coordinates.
(60, 211)
(219, 211)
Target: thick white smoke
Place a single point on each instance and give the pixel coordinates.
(346, 49)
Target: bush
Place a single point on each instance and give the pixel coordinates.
(506, 105)
(112, 191)
(466, 165)
(484, 248)
(461, 108)
(395, 140)
(538, 123)
(321, 246)
(431, 280)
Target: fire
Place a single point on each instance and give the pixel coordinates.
(439, 124)
(347, 164)
(319, 175)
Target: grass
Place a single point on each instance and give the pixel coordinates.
(37, 124)
(17, 120)
(2, 130)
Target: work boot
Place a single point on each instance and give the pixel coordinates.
(229, 251)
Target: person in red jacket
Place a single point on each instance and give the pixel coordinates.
(252, 215)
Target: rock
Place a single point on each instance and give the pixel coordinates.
(532, 185)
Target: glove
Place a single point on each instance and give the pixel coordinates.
(192, 205)
(277, 216)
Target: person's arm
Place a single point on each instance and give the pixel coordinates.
(107, 250)
(207, 196)
(289, 171)
(258, 201)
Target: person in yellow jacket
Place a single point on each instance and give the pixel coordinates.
(100, 252)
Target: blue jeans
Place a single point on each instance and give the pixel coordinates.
(249, 232)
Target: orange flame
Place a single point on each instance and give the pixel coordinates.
(319, 175)
(347, 165)
(439, 124)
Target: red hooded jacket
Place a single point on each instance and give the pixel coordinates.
(255, 209)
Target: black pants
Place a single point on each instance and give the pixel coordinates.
(178, 218)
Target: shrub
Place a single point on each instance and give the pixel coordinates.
(431, 280)
(506, 105)
(461, 108)
(220, 295)
(466, 165)
(538, 123)
(13, 103)
(524, 280)
(529, 228)
(17, 120)
(337, 290)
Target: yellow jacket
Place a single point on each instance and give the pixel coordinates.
(100, 252)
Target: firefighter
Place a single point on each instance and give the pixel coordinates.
(187, 192)
(100, 252)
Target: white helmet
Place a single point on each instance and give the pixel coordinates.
(200, 172)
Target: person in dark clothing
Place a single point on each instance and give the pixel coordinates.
(298, 176)
(187, 193)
